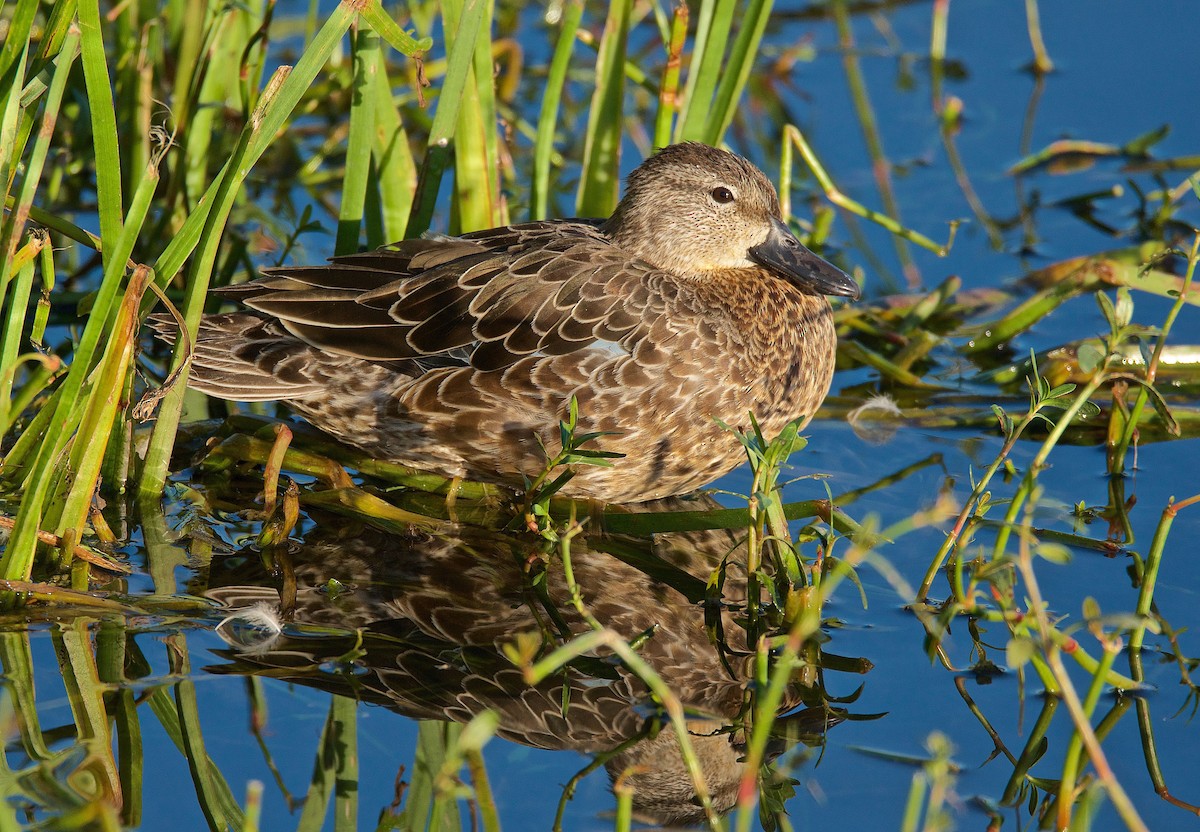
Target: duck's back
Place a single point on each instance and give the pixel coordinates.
(486, 298)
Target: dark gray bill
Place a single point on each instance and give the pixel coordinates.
(783, 254)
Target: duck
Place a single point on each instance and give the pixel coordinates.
(690, 308)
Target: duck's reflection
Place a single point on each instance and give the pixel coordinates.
(418, 623)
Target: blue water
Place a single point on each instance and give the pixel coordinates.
(1122, 68)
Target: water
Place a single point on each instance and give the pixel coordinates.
(1122, 69)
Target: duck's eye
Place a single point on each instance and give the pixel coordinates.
(722, 195)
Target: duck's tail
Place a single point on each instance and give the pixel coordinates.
(247, 358)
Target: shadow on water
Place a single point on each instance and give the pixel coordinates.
(420, 624)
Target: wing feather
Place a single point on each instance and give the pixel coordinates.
(545, 288)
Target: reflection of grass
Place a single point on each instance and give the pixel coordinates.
(85, 143)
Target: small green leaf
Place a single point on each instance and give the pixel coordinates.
(1124, 307)
(584, 438)
(551, 489)
(600, 458)
(1107, 309)
(1060, 391)
(1006, 422)
(1130, 621)
(478, 731)
(1141, 145)
(1156, 399)
(1053, 552)
(397, 38)
(837, 564)
(1018, 652)
(984, 504)
(1089, 357)
(1143, 350)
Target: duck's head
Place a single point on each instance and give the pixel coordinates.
(695, 210)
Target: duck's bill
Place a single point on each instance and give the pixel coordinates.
(783, 254)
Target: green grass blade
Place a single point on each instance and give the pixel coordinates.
(179, 716)
(132, 81)
(252, 59)
(600, 181)
(100, 413)
(85, 693)
(64, 227)
(21, 457)
(434, 740)
(91, 440)
(703, 24)
(10, 338)
(13, 223)
(18, 555)
(60, 21)
(345, 807)
(12, 80)
(476, 203)
(539, 205)
(130, 756)
(394, 165)
(358, 145)
(668, 96)
(712, 37)
(16, 38)
(486, 201)
(194, 27)
(324, 775)
(881, 166)
(104, 123)
(383, 24)
(633, 72)
(459, 65)
(471, 741)
(737, 70)
(96, 410)
(217, 88)
(42, 375)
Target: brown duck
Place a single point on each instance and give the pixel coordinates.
(692, 303)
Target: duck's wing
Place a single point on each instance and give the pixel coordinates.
(490, 297)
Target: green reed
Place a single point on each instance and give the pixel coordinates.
(86, 430)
